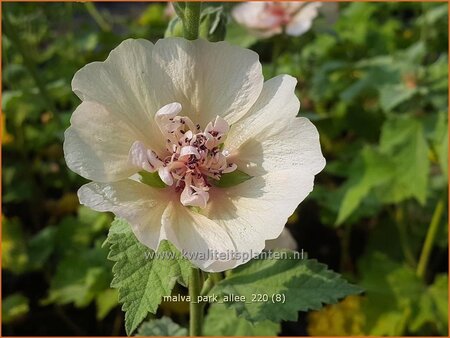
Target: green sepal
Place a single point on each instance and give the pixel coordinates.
(213, 23)
(231, 179)
(152, 179)
(175, 28)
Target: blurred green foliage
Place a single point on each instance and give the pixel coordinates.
(373, 79)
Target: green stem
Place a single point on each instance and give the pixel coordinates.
(403, 236)
(429, 239)
(97, 16)
(195, 308)
(346, 261)
(276, 52)
(11, 32)
(191, 20)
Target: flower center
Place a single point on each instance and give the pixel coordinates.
(194, 156)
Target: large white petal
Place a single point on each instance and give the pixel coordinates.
(257, 210)
(198, 237)
(97, 143)
(271, 138)
(208, 79)
(139, 204)
(156, 214)
(124, 85)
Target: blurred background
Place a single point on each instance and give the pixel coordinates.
(373, 79)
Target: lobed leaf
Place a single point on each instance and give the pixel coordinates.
(305, 284)
(161, 327)
(220, 321)
(370, 170)
(404, 140)
(142, 278)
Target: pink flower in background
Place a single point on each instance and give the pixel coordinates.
(266, 19)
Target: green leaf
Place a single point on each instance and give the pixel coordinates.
(438, 292)
(96, 221)
(369, 170)
(409, 58)
(238, 35)
(106, 300)
(376, 73)
(356, 88)
(392, 291)
(440, 141)
(14, 250)
(303, 284)
(403, 139)
(161, 327)
(433, 307)
(153, 16)
(82, 284)
(41, 247)
(152, 179)
(14, 307)
(431, 16)
(231, 179)
(355, 22)
(142, 280)
(220, 321)
(392, 95)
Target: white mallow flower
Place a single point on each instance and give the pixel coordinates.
(191, 112)
(266, 18)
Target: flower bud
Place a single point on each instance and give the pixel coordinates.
(213, 22)
(175, 28)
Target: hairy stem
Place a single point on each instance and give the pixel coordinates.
(191, 20)
(195, 307)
